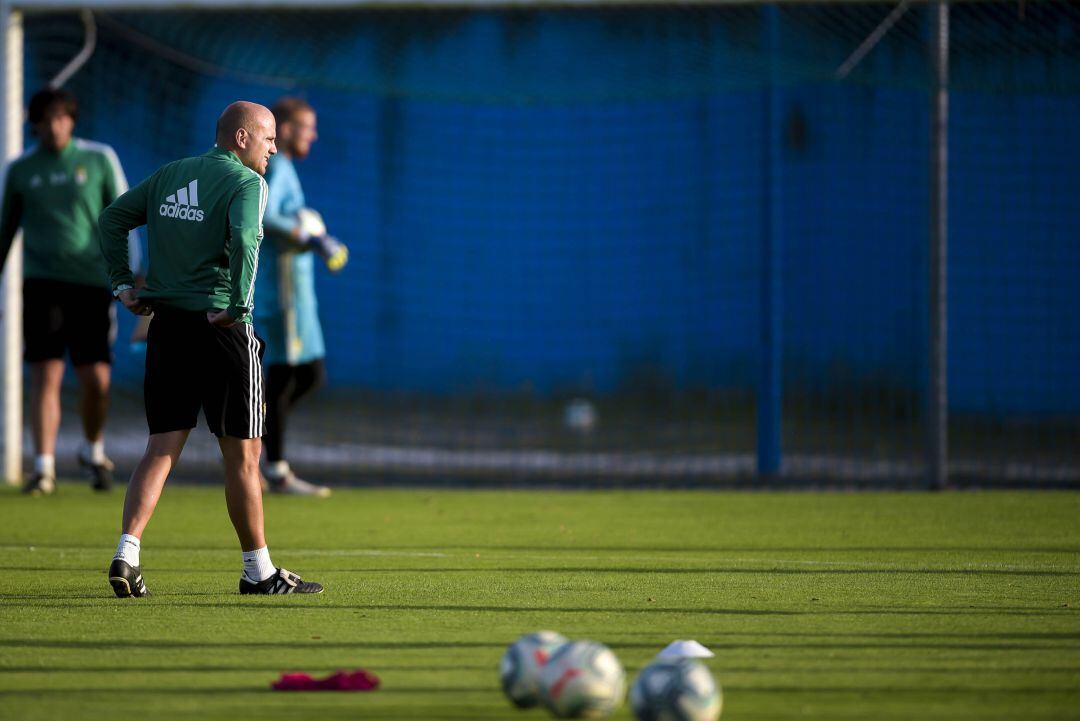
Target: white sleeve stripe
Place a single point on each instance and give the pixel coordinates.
(264, 190)
(264, 196)
(110, 155)
(134, 251)
(118, 171)
(134, 247)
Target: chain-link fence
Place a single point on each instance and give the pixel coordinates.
(557, 220)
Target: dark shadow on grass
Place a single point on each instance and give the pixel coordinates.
(104, 572)
(624, 549)
(496, 609)
(142, 690)
(285, 644)
(651, 610)
(295, 645)
(915, 690)
(716, 570)
(742, 549)
(429, 709)
(242, 668)
(1042, 636)
(802, 571)
(274, 605)
(997, 669)
(946, 670)
(202, 690)
(104, 597)
(493, 689)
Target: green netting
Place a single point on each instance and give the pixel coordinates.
(555, 204)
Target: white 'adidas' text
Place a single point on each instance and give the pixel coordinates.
(183, 204)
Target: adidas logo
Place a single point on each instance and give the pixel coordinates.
(183, 204)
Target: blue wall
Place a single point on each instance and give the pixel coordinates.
(560, 202)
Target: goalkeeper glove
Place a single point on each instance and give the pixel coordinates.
(312, 231)
(333, 251)
(310, 223)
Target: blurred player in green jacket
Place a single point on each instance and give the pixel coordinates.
(54, 192)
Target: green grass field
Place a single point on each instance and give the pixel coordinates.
(818, 605)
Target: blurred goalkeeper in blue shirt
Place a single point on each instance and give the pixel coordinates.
(286, 310)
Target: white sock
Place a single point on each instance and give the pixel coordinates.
(94, 452)
(128, 549)
(277, 469)
(257, 565)
(45, 465)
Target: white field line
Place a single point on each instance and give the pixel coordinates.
(750, 562)
(360, 552)
(902, 566)
(497, 555)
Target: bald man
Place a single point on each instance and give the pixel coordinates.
(204, 223)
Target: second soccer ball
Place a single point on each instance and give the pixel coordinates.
(583, 679)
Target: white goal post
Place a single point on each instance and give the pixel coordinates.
(11, 90)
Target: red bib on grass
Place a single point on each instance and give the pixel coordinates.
(359, 680)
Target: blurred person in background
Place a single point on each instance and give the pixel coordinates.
(286, 308)
(54, 192)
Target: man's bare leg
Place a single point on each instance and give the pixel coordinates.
(93, 399)
(45, 379)
(148, 480)
(243, 489)
(243, 495)
(93, 408)
(143, 492)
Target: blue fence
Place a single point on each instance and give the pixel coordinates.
(554, 201)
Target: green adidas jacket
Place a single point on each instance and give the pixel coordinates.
(204, 224)
(55, 197)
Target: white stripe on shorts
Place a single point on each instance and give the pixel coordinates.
(259, 416)
(251, 382)
(255, 389)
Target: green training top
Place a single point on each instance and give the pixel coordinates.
(56, 196)
(204, 223)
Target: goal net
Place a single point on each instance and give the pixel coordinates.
(557, 220)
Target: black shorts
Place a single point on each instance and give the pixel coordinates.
(191, 364)
(59, 317)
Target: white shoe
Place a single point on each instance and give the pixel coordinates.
(293, 486)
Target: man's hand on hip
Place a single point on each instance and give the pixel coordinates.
(220, 318)
(131, 301)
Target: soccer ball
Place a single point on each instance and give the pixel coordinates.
(580, 416)
(521, 664)
(675, 690)
(583, 679)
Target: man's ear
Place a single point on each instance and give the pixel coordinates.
(241, 137)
